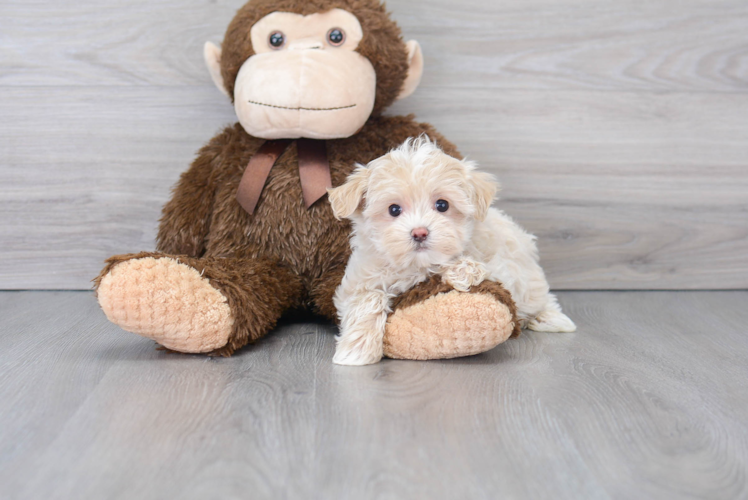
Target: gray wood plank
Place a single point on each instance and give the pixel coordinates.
(512, 44)
(617, 128)
(647, 400)
(625, 190)
(83, 176)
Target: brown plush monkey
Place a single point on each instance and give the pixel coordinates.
(249, 234)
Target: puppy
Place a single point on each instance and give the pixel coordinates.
(416, 212)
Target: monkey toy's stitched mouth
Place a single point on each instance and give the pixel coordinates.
(301, 108)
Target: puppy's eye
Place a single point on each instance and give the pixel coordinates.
(441, 205)
(395, 210)
(276, 39)
(336, 37)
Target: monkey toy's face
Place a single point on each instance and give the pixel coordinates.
(306, 77)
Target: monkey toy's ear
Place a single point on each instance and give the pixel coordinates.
(212, 55)
(346, 199)
(415, 69)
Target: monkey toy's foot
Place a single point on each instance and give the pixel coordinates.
(165, 300)
(434, 321)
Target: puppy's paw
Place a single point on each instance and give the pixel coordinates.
(356, 355)
(464, 274)
(359, 346)
(553, 321)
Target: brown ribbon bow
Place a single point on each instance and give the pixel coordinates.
(314, 171)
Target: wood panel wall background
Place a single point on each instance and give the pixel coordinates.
(619, 128)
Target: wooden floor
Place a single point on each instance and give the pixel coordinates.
(647, 400)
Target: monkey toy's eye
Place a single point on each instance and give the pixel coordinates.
(442, 205)
(336, 37)
(277, 39)
(395, 210)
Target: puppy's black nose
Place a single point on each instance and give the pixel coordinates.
(420, 234)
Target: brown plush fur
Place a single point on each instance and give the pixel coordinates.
(284, 255)
(382, 44)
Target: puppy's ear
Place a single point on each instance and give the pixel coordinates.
(346, 199)
(484, 189)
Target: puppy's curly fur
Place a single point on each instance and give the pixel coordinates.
(417, 212)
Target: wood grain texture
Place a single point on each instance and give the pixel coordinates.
(618, 129)
(647, 400)
(619, 198)
(512, 44)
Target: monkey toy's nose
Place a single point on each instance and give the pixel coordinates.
(420, 234)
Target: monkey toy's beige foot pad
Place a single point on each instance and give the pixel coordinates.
(167, 301)
(433, 321)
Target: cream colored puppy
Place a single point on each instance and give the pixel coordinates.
(416, 212)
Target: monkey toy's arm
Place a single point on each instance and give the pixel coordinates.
(185, 220)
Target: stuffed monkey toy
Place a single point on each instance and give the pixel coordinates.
(249, 233)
